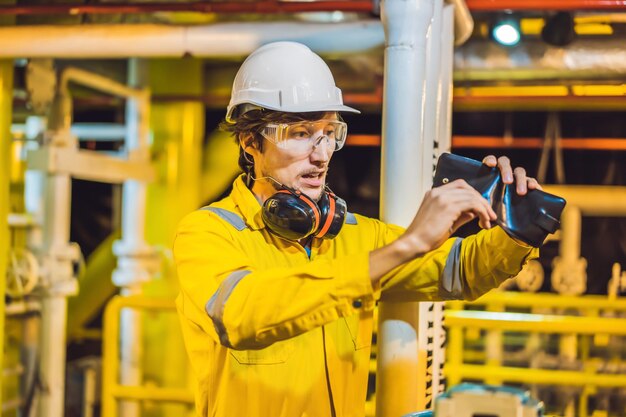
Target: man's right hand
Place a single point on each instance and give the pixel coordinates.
(443, 210)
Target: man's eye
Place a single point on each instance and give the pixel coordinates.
(300, 134)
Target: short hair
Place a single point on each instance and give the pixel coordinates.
(253, 122)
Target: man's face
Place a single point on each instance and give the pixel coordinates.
(305, 172)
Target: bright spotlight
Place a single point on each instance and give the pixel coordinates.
(506, 33)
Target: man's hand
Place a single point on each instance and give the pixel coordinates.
(443, 210)
(522, 182)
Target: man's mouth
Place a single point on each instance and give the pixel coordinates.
(313, 179)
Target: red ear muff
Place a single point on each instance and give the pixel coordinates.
(294, 215)
(329, 218)
(333, 214)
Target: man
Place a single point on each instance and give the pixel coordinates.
(277, 319)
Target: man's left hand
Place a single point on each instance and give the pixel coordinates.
(523, 183)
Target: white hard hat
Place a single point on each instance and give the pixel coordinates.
(287, 77)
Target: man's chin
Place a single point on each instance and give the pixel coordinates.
(313, 193)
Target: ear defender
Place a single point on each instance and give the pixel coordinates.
(294, 216)
(333, 214)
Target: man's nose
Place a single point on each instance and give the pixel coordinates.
(321, 149)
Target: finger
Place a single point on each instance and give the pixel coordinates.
(463, 219)
(505, 169)
(474, 204)
(520, 180)
(458, 183)
(490, 161)
(533, 184)
(463, 195)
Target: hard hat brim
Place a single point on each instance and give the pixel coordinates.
(304, 109)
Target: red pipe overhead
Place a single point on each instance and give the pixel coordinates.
(498, 142)
(276, 6)
(258, 7)
(496, 5)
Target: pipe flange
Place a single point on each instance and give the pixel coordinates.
(569, 277)
(531, 277)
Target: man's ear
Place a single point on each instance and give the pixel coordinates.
(246, 141)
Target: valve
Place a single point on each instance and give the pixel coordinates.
(22, 273)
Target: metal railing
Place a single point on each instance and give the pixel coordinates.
(112, 391)
(575, 320)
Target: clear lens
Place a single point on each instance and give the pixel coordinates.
(302, 137)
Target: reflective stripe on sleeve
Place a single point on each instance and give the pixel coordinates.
(451, 282)
(233, 219)
(217, 303)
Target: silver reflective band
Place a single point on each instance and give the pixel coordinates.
(350, 218)
(230, 217)
(217, 304)
(451, 282)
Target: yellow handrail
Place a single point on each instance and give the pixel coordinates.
(457, 320)
(111, 390)
(544, 300)
(538, 376)
(535, 323)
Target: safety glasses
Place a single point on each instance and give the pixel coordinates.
(301, 138)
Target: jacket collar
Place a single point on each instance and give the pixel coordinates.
(247, 203)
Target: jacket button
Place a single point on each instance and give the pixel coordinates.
(357, 303)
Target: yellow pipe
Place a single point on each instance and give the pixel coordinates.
(537, 376)
(593, 200)
(528, 300)
(178, 132)
(571, 220)
(96, 288)
(110, 356)
(535, 323)
(6, 106)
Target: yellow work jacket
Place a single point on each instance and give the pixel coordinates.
(272, 332)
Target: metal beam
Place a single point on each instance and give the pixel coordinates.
(258, 7)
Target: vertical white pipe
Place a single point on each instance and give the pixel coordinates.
(432, 95)
(444, 113)
(56, 234)
(406, 25)
(34, 187)
(134, 197)
(427, 325)
(52, 356)
(443, 134)
(34, 202)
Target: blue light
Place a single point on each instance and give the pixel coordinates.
(506, 33)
